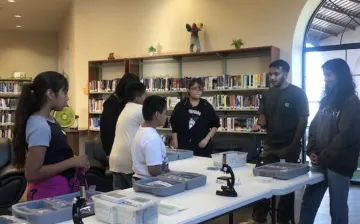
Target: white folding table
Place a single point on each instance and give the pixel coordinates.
(203, 204)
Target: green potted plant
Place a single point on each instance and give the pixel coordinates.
(152, 50)
(237, 43)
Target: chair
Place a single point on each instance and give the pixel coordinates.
(12, 181)
(98, 174)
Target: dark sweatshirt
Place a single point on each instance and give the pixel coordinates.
(334, 135)
(112, 108)
(193, 124)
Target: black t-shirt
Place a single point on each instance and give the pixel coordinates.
(282, 109)
(192, 124)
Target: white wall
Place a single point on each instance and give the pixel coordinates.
(128, 28)
(30, 52)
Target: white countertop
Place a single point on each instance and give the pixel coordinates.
(203, 204)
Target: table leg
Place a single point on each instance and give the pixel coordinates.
(231, 218)
(273, 210)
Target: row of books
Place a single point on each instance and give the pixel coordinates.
(224, 101)
(211, 82)
(6, 132)
(96, 86)
(237, 123)
(10, 87)
(7, 117)
(95, 123)
(7, 103)
(96, 105)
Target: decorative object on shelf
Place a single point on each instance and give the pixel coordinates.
(152, 50)
(19, 75)
(159, 48)
(238, 43)
(111, 56)
(194, 38)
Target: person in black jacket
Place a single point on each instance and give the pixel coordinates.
(112, 108)
(194, 122)
(333, 143)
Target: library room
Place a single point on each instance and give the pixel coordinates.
(179, 111)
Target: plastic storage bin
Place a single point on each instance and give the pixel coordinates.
(172, 156)
(233, 159)
(11, 220)
(283, 171)
(192, 180)
(49, 210)
(145, 212)
(176, 187)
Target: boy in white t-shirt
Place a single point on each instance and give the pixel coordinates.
(147, 149)
(127, 125)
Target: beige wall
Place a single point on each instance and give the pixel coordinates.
(30, 52)
(128, 28)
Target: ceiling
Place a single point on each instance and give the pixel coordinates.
(36, 15)
(333, 18)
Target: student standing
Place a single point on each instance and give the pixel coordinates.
(334, 144)
(194, 122)
(40, 144)
(283, 113)
(127, 125)
(148, 149)
(112, 108)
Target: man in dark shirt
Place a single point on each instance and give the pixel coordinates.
(283, 113)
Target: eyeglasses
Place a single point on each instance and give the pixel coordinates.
(197, 88)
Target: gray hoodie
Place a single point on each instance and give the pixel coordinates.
(334, 135)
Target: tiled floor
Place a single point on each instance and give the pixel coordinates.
(323, 216)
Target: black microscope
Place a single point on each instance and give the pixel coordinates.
(80, 207)
(227, 191)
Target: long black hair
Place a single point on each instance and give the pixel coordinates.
(33, 97)
(345, 85)
(127, 78)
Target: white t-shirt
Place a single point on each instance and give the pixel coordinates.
(127, 125)
(148, 149)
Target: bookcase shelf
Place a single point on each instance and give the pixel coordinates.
(136, 66)
(225, 132)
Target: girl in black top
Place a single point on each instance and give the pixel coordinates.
(40, 145)
(194, 122)
(113, 107)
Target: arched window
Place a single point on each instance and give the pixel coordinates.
(332, 32)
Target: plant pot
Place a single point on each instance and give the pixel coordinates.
(237, 46)
(151, 53)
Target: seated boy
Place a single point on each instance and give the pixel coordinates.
(147, 149)
(127, 125)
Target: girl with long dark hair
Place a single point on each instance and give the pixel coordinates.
(334, 143)
(113, 107)
(39, 143)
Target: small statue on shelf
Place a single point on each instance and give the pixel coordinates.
(111, 56)
(194, 39)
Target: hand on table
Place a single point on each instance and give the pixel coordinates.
(204, 142)
(174, 144)
(255, 127)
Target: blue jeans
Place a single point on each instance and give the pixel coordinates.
(338, 190)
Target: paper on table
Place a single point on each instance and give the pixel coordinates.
(262, 180)
(166, 208)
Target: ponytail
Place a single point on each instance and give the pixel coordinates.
(32, 98)
(26, 107)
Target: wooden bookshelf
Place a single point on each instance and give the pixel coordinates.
(10, 90)
(136, 66)
(97, 72)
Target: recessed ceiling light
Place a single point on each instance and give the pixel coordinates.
(18, 26)
(17, 16)
(11, 1)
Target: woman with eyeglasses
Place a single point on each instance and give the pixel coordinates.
(194, 122)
